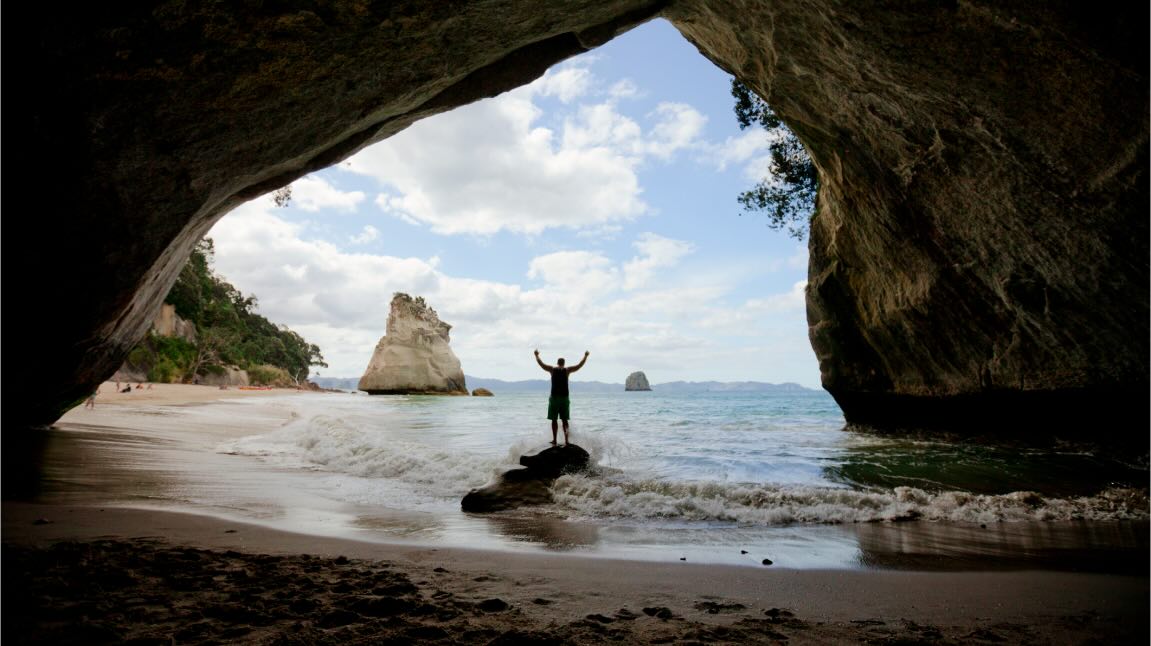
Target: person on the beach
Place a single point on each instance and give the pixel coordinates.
(91, 401)
(559, 402)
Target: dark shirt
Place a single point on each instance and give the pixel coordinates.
(559, 382)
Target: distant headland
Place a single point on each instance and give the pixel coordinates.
(498, 386)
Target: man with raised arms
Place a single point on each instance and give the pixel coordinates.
(559, 402)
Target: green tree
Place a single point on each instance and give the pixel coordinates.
(787, 196)
(282, 196)
(229, 331)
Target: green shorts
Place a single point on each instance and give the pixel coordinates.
(559, 407)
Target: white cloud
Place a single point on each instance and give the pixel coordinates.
(573, 301)
(749, 145)
(601, 127)
(574, 279)
(314, 193)
(656, 252)
(567, 83)
(624, 89)
(368, 234)
(496, 166)
(797, 260)
(759, 314)
(678, 126)
(487, 167)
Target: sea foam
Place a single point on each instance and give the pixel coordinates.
(332, 444)
(592, 497)
(390, 454)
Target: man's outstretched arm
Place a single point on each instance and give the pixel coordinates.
(542, 364)
(581, 362)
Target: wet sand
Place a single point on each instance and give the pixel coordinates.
(125, 574)
(91, 572)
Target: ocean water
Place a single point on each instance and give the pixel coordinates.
(708, 476)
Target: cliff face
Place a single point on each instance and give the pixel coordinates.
(981, 241)
(636, 381)
(414, 357)
(979, 257)
(169, 323)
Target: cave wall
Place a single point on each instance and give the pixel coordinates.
(981, 238)
(979, 257)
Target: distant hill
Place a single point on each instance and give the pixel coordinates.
(729, 386)
(542, 385)
(338, 383)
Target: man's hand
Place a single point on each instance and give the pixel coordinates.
(586, 353)
(537, 353)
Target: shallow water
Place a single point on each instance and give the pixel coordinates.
(712, 477)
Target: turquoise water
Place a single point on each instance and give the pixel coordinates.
(701, 474)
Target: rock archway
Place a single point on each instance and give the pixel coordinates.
(981, 241)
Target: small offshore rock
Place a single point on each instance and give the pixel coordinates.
(767, 561)
(482, 392)
(636, 381)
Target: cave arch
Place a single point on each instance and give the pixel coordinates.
(980, 255)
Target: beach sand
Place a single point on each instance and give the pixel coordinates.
(76, 570)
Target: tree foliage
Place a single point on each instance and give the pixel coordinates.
(228, 329)
(282, 196)
(787, 195)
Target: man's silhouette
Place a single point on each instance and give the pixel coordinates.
(559, 402)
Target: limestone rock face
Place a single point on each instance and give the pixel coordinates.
(636, 381)
(169, 323)
(978, 260)
(414, 357)
(229, 376)
(981, 241)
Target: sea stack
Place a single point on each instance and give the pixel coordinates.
(414, 357)
(636, 381)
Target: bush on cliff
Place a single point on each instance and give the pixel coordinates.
(266, 375)
(229, 332)
(787, 195)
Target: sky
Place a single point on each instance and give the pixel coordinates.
(593, 209)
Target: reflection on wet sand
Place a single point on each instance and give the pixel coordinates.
(1115, 547)
(82, 459)
(549, 533)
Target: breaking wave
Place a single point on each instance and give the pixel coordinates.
(392, 458)
(592, 497)
(331, 444)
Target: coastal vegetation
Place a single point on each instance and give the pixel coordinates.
(787, 195)
(228, 333)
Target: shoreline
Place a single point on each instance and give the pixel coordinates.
(188, 576)
(178, 394)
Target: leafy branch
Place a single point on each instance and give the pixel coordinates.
(787, 195)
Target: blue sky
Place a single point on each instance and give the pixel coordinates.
(592, 209)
